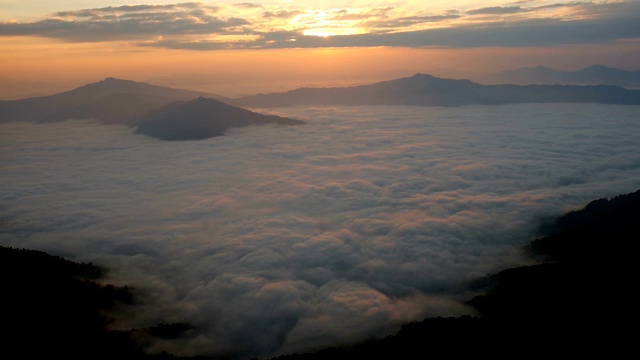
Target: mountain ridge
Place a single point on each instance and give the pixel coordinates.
(590, 75)
(60, 106)
(427, 90)
(137, 104)
(202, 118)
(140, 105)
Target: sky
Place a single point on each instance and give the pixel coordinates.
(236, 48)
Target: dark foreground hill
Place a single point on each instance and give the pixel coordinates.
(202, 118)
(53, 308)
(578, 301)
(167, 113)
(427, 90)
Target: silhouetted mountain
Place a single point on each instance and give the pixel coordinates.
(427, 90)
(109, 100)
(577, 235)
(52, 308)
(162, 112)
(580, 303)
(202, 118)
(592, 75)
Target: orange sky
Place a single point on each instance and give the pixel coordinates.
(234, 48)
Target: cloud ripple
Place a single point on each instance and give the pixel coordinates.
(277, 239)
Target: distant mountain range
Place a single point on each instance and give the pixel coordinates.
(165, 113)
(178, 114)
(592, 75)
(427, 90)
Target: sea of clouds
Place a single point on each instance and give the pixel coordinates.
(275, 240)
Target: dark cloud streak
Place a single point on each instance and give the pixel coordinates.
(409, 21)
(497, 10)
(128, 22)
(129, 9)
(248, 5)
(533, 33)
(282, 14)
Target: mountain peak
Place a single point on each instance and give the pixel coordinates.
(110, 79)
(422, 76)
(597, 67)
(204, 101)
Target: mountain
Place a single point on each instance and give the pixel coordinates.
(592, 75)
(162, 112)
(427, 90)
(419, 89)
(110, 100)
(202, 118)
(581, 292)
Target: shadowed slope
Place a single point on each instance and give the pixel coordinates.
(579, 305)
(52, 308)
(164, 113)
(202, 118)
(110, 101)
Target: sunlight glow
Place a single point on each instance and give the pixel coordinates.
(330, 23)
(326, 32)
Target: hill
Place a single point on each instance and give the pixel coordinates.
(578, 301)
(165, 113)
(202, 118)
(110, 100)
(427, 90)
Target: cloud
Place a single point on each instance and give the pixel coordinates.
(96, 13)
(497, 10)
(128, 22)
(274, 239)
(563, 5)
(251, 26)
(348, 15)
(249, 5)
(282, 14)
(616, 25)
(409, 21)
(529, 33)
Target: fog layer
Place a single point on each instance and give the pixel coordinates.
(279, 239)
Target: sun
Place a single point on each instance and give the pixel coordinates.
(319, 32)
(332, 31)
(327, 23)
